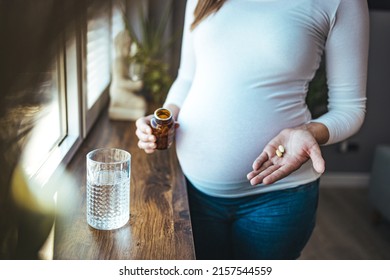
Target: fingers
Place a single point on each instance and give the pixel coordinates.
(317, 159)
(271, 174)
(275, 169)
(147, 141)
(277, 174)
(143, 124)
(260, 160)
(301, 145)
(269, 168)
(148, 147)
(262, 166)
(260, 169)
(145, 137)
(261, 176)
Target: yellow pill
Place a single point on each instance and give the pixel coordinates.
(279, 153)
(281, 148)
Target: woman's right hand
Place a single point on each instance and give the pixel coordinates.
(147, 141)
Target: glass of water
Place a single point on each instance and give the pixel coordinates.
(108, 188)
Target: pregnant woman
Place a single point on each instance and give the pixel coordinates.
(245, 138)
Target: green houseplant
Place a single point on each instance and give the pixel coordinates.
(148, 52)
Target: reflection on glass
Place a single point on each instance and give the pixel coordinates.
(49, 129)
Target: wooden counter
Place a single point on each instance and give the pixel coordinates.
(159, 226)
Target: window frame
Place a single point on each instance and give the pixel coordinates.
(90, 115)
(72, 62)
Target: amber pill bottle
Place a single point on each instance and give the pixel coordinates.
(163, 127)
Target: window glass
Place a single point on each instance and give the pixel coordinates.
(98, 51)
(50, 124)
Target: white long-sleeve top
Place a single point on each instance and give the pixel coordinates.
(244, 75)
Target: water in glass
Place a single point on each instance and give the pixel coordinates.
(108, 196)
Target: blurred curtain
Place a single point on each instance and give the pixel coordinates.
(154, 9)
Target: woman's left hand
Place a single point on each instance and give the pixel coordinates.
(299, 145)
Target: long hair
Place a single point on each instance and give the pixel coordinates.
(204, 8)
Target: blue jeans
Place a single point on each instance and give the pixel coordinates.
(273, 225)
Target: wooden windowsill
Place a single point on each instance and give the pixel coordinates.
(159, 226)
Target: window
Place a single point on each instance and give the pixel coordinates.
(117, 23)
(51, 125)
(98, 51)
(77, 84)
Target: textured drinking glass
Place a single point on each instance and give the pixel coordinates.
(108, 188)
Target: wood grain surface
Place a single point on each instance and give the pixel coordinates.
(159, 227)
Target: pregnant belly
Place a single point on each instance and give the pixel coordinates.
(220, 135)
(215, 150)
